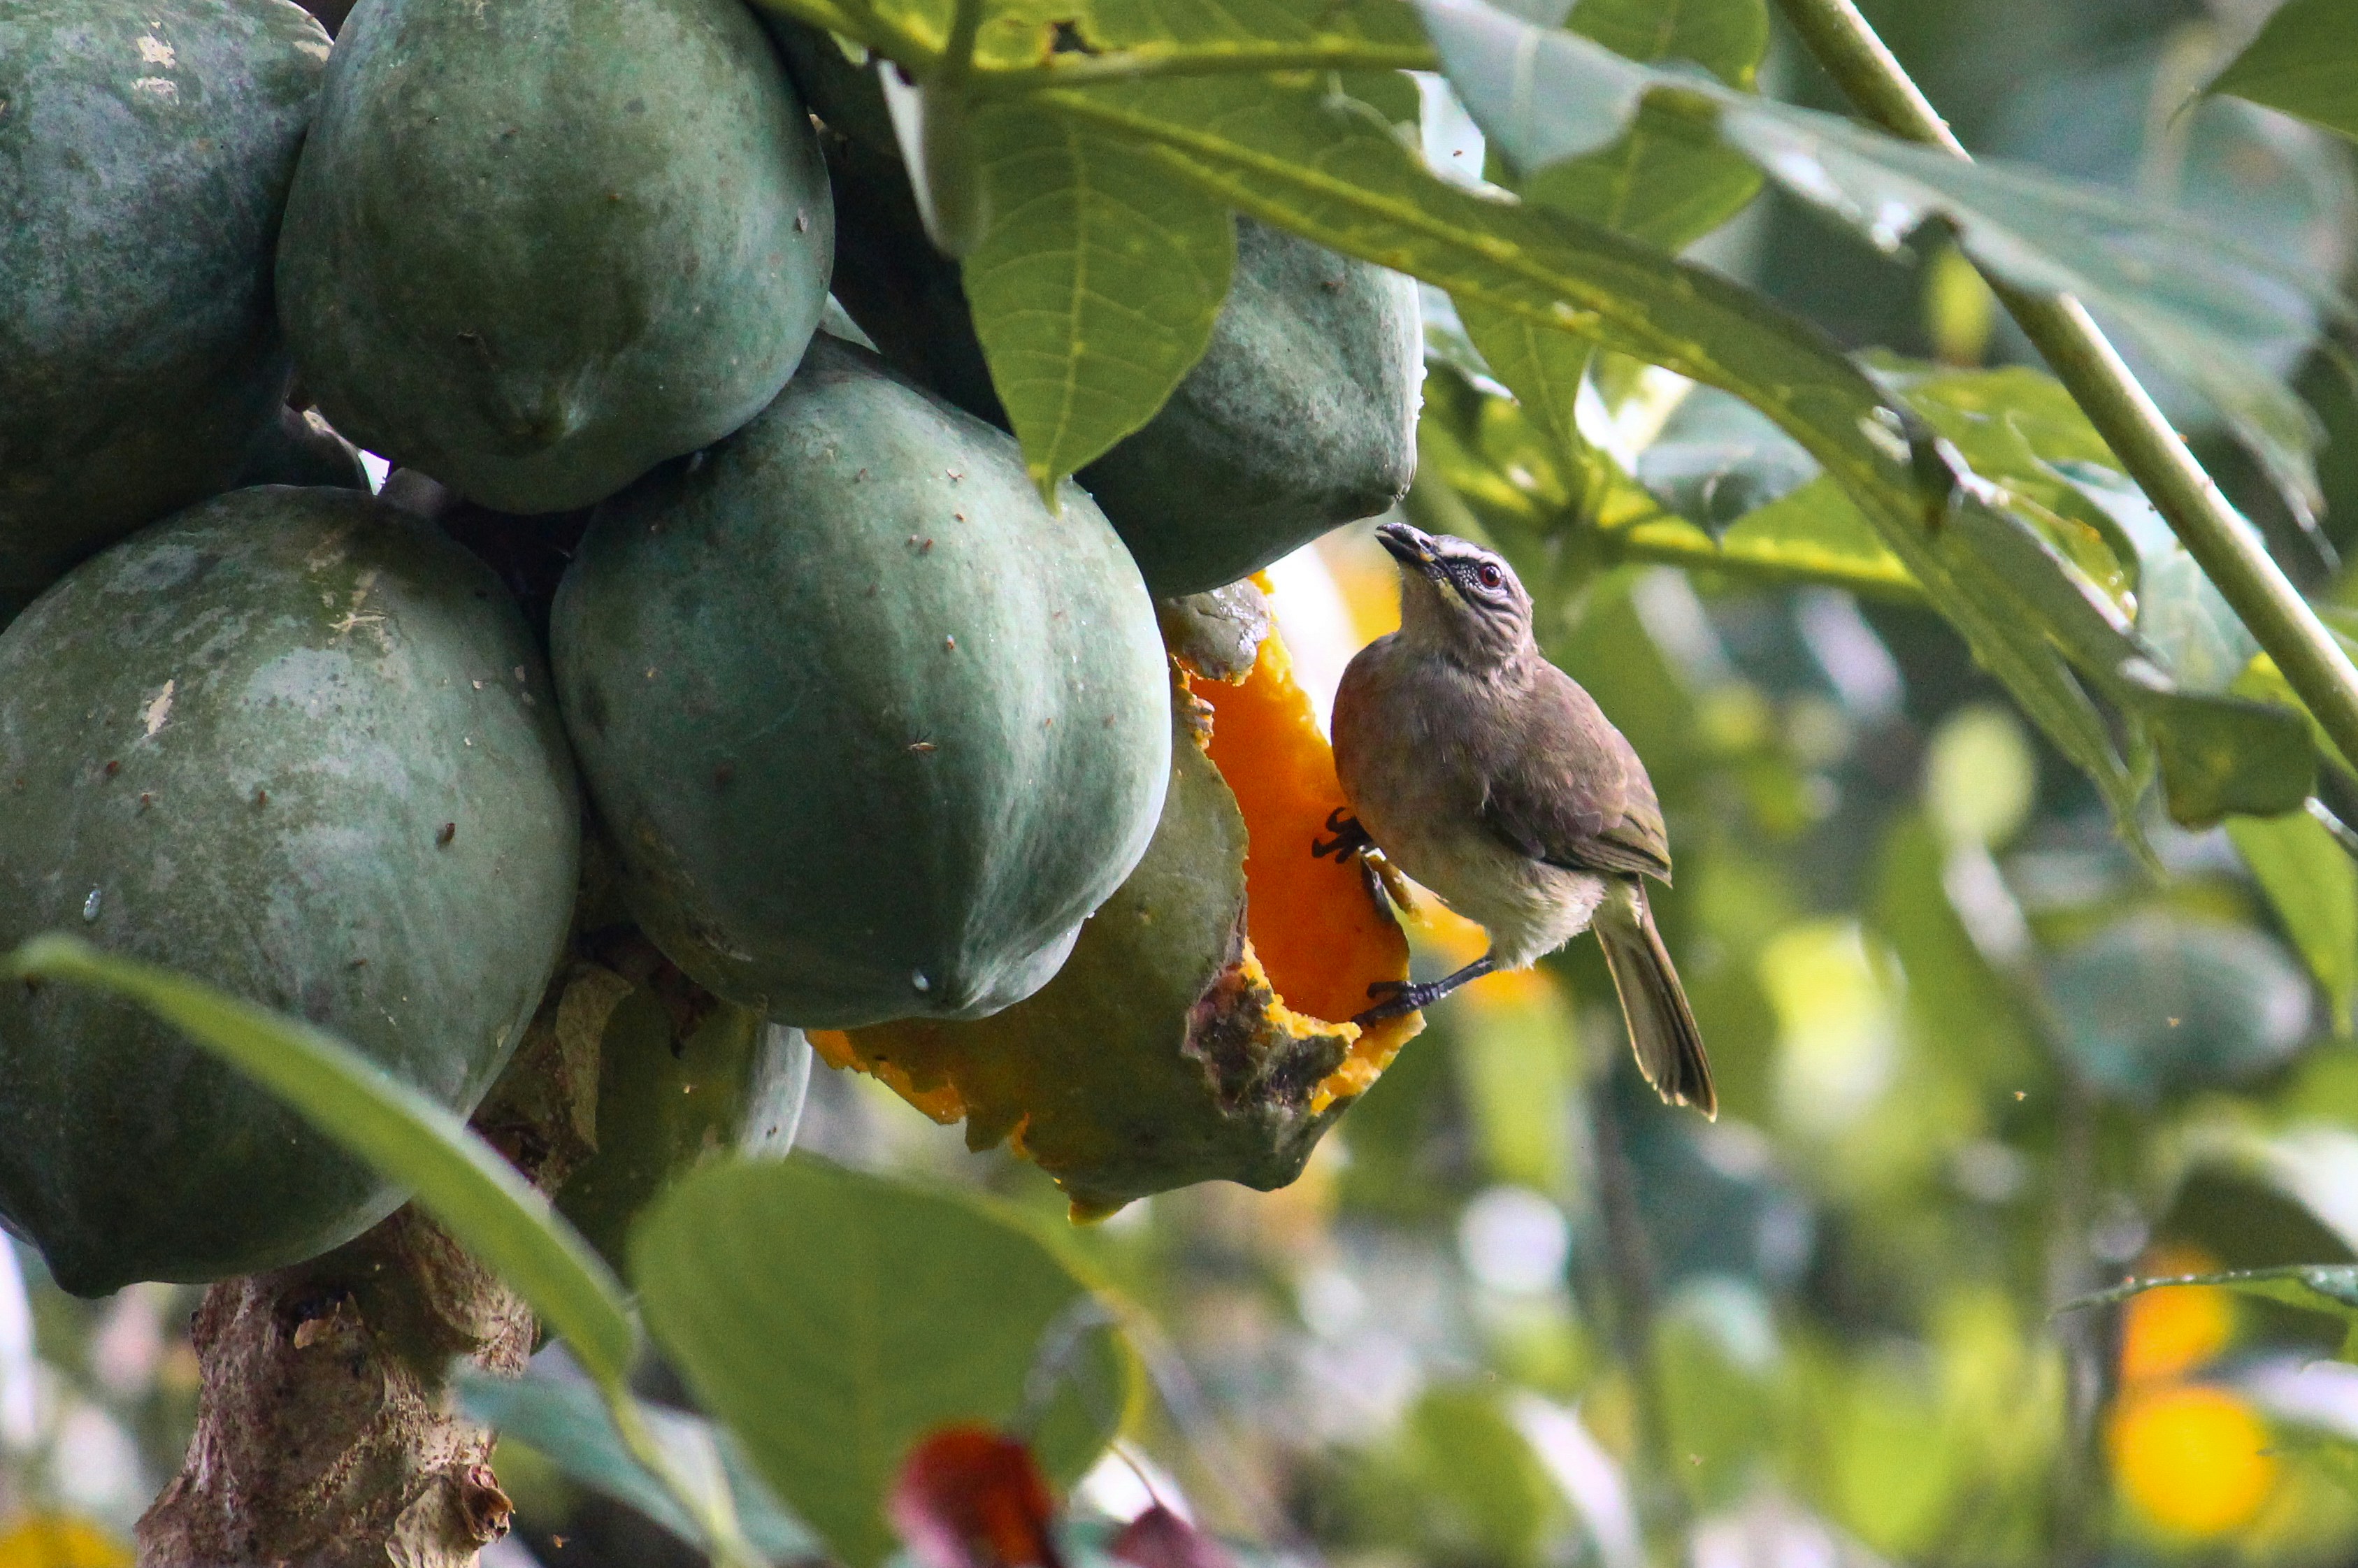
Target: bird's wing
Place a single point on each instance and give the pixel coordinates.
(1573, 793)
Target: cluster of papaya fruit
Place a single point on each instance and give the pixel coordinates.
(864, 736)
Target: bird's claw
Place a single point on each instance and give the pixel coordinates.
(1399, 997)
(1349, 836)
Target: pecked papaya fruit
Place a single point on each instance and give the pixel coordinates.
(1300, 417)
(296, 743)
(1193, 1034)
(145, 151)
(873, 729)
(535, 248)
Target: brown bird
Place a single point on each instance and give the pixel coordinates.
(1488, 774)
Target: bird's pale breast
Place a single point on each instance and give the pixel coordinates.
(1410, 759)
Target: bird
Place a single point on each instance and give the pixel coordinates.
(1490, 777)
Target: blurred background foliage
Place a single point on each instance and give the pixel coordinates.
(1976, 1058)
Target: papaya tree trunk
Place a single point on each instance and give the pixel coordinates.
(327, 1435)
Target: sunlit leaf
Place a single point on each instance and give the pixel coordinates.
(2314, 888)
(2305, 63)
(2193, 298)
(1094, 287)
(1719, 460)
(1312, 162)
(1665, 182)
(832, 1319)
(456, 1177)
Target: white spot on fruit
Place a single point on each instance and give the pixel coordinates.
(156, 51)
(160, 710)
(159, 87)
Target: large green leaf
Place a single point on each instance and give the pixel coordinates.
(1308, 161)
(2305, 63)
(1017, 42)
(1665, 182)
(2314, 888)
(1521, 481)
(568, 1424)
(832, 1319)
(456, 1177)
(1094, 287)
(2193, 297)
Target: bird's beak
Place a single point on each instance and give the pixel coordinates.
(1411, 547)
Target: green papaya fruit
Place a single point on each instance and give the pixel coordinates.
(535, 248)
(298, 743)
(872, 729)
(145, 151)
(1300, 417)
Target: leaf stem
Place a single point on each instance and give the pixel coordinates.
(2059, 327)
(711, 1508)
(1249, 58)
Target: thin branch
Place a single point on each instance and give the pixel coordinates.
(2226, 548)
(1627, 1281)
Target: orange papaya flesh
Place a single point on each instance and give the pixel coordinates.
(1196, 1034)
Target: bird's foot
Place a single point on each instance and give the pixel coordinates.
(1350, 838)
(1399, 997)
(1404, 996)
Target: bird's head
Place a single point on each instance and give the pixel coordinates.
(1458, 599)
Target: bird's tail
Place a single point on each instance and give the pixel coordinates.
(1661, 1026)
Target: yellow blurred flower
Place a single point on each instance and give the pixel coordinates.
(2168, 1333)
(59, 1540)
(2191, 1460)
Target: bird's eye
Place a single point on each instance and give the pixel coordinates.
(1490, 576)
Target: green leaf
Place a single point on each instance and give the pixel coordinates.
(2330, 1288)
(832, 1319)
(1137, 24)
(2314, 888)
(458, 1178)
(2162, 1003)
(2193, 297)
(2223, 754)
(1815, 534)
(1094, 288)
(569, 1424)
(1665, 182)
(1668, 180)
(2305, 63)
(1477, 1475)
